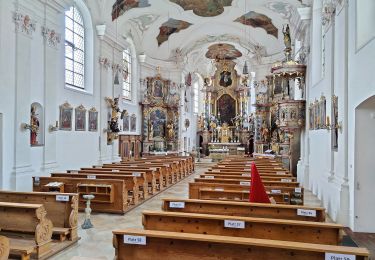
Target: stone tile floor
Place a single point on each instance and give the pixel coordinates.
(96, 243)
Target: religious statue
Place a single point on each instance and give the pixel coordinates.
(201, 122)
(34, 123)
(170, 128)
(287, 39)
(225, 133)
(113, 126)
(264, 131)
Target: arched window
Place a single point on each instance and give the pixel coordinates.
(127, 79)
(74, 49)
(196, 97)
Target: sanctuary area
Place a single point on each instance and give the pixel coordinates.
(187, 129)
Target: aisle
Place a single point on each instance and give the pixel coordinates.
(96, 243)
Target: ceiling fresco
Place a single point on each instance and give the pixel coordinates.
(223, 51)
(170, 27)
(204, 8)
(122, 6)
(255, 20)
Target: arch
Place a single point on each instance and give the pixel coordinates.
(364, 178)
(89, 48)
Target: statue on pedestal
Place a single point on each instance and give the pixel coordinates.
(34, 123)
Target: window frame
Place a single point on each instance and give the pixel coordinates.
(127, 84)
(74, 49)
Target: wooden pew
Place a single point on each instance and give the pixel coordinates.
(132, 183)
(163, 171)
(247, 176)
(236, 195)
(246, 179)
(148, 185)
(296, 194)
(176, 245)
(27, 227)
(245, 209)
(110, 195)
(4, 248)
(250, 227)
(62, 210)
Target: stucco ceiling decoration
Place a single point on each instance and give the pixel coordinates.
(255, 20)
(223, 51)
(144, 22)
(122, 6)
(170, 27)
(283, 9)
(204, 8)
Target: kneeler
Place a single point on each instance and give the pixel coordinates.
(257, 191)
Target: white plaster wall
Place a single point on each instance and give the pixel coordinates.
(32, 71)
(361, 87)
(348, 75)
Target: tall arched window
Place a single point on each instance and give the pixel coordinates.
(196, 97)
(127, 80)
(74, 49)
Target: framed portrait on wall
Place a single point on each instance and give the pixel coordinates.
(126, 123)
(158, 88)
(80, 122)
(133, 123)
(93, 120)
(66, 115)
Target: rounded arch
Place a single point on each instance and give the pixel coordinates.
(364, 179)
(89, 45)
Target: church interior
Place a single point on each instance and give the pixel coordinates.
(187, 129)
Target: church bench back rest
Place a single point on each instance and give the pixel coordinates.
(263, 228)
(174, 245)
(245, 209)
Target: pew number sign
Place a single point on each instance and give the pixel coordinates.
(332, 256)
(134, 240)
(306, 212)
(177, 204)
(62, 197)
(234, 224)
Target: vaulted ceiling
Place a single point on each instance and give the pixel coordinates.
(186, 30)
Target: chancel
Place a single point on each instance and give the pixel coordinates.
(187, 129)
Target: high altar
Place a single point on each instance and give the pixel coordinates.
(221, 128)
(160, 111)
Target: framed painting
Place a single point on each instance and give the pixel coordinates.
(80, 122)
(93, 120)
(125, 123)
(66, 115)
(158, 88)
(334, 123)
(133, 123)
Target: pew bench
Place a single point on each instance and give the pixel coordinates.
(245, 209)
(4, 248)
(263, 228)
(62, 209)
(111, 196)
(237, 195)
(151, 244)
(27, 227)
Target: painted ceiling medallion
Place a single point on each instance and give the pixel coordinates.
(223, 51)
(255, 20)
(170, 27)
(283, 9)
(205, 8)
(122, 6)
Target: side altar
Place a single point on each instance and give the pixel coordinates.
(160, 115)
